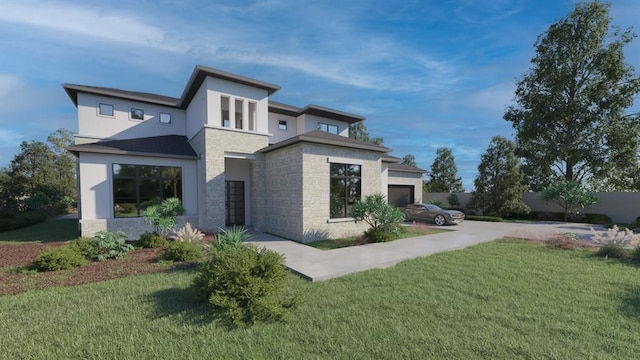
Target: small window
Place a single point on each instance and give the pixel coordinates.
(136, 114)
(165, 118)
(224, 108)
(333, 129)
(282, 125)
(105, 109)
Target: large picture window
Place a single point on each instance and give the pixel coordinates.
(136, 187)
(345, 188)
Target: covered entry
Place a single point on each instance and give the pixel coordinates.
(401, 195)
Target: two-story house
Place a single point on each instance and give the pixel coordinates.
(231, 155)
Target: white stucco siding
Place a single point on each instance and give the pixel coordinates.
(196, 113)
(278, 134)
(120, 125)
(216, 88)
(308, 123)
(96, 182)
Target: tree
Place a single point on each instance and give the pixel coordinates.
(569, 118)
(42, 171)
(359, 131)
(443, 176)
(499, 184)
(569, 195)
(409, 159)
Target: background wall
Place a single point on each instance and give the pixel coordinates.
(622, 207)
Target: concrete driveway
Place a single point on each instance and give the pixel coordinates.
(317, 265)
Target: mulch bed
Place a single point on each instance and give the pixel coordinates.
(12, 256)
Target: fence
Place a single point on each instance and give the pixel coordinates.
(622, 207)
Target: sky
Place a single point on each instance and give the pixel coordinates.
(425, 74)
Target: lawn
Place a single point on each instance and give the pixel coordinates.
(407, 232)
(506, 299)
(55, 230)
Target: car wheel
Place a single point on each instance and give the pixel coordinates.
(439, 220)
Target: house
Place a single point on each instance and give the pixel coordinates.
(233, 157)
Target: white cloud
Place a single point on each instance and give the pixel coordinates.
(86, 21)
(9, 84)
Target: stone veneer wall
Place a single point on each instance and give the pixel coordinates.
(133, 227)
(315, 189)
(198, 145)
(283, 204)
(217, 141)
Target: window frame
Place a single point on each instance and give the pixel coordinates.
(348, 180)
(113, 110)
(282, 125)
(326, 127)
(170, 122)
(142, 181)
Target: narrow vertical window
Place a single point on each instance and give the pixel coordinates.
(252, 116)
(239, 113)
(224, 106)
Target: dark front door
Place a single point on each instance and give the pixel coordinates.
(400, 195)
(234, 203)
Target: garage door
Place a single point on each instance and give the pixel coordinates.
(401, 195)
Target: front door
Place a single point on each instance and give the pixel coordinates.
(234, 203)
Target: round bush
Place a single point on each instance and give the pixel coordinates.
(151, 240)
(379, 235)
(61, 258)
(84, 246)
(246, 283)
(182, 251)
(612, 251)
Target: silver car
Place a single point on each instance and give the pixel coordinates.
(433, 213)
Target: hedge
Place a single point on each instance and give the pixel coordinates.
(22, 219)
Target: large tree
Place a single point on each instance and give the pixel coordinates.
(359, 131)
(43, 169)
(444, 173)
(499, 184)
(409, 159)
(569, 118)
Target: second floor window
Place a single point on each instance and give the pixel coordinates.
(333, 129)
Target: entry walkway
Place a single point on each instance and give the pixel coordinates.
(316, 265)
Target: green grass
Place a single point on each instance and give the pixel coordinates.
(48, 231)
(407, 232)
(500, 300)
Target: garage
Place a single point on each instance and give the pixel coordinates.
(401, 195)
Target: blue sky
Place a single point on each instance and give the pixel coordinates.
(426, 74)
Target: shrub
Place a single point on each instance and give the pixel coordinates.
(483, 218)
(60, 258)
(436, 202)
(566, 241)
(383, 218)
(231, 238)
(612, 250)
(151, 240)
(246, 283)
(635, 253)
(453, 201)
(22, 219)
(162, 216)
(110, 245)
(623, 238)
(601, 219)
(182, 251)
(188, 234)
(84, 246)
(374, 235)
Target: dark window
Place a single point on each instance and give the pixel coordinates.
(345, 188)
(136, 187)
(333, 129)
(282, 125)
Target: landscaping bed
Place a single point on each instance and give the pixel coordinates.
(407, 232)
(15, 257)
